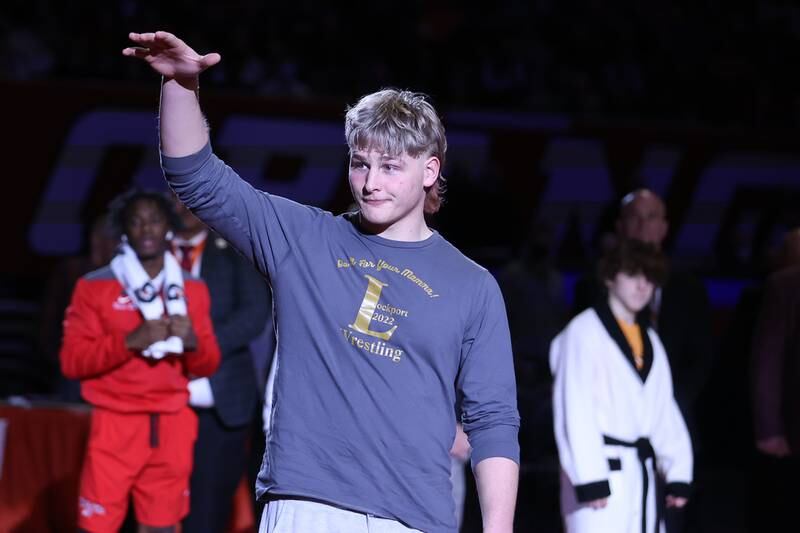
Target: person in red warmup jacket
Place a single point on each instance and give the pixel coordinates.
(135, 332)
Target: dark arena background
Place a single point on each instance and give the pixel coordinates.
(554, 112)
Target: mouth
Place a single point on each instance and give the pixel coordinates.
(375, 201)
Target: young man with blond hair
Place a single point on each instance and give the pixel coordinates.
(384, 329)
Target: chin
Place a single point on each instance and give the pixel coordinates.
(375, 219)
(146, 255)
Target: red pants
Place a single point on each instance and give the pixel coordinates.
(146, 456)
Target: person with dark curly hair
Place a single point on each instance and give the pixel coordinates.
(136, 330)
(616, 421)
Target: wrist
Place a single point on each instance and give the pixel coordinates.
(191, 83)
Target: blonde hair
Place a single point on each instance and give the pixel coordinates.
(399, 122)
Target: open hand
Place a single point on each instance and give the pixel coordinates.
(461, 448)
(170, 56)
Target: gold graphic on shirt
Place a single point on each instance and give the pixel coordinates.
(377, 348)
(383, 265)
(367, 310)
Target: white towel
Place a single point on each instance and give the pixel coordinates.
(147, 297)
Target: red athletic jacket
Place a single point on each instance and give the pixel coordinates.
(97, 321)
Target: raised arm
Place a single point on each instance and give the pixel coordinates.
(182, 125)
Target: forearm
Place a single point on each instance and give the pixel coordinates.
(496, 479)
(86, 358)
(182, 126)
(205, 360)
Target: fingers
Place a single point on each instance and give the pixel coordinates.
(151, 37)
(161, 44)
(676, 502)
(148, 42)
(209, 60)
(136, 51)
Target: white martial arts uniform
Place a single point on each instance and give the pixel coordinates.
(600, 396)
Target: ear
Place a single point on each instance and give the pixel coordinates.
(664, 230)
(431, 171)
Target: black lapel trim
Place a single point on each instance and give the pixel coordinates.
(610, 323)
(644, 325)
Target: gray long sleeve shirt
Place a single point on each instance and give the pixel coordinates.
(376, 340)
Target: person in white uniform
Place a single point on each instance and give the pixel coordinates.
(616, 422)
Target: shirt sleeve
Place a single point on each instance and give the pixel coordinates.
(88, 349)
(578, 437)
(263, 227)
(486, 380)
(670, 438)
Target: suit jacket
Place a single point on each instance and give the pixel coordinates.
(684, 327)
(776, 359)
(240, 306)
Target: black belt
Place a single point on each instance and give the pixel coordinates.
(154, 430)
(645, 451)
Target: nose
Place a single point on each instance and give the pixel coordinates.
(371, 183)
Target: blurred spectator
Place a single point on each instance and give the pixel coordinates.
(617, 424)
(532, 290)
(616, 59)
(226, 402)
(533, 293)
(133, 339)
(776, 391)
(679, 311)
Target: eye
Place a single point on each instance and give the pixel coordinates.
(354, 164)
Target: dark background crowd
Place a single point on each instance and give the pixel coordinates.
(728, 64)
(703, 66)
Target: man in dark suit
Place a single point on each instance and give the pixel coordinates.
(226, 402)
(680, 311)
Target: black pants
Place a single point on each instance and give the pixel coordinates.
(220, 460)
(773, 493)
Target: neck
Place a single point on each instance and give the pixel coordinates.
(188, 235)
(406, 233)
(153, 265)
(620, 310)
